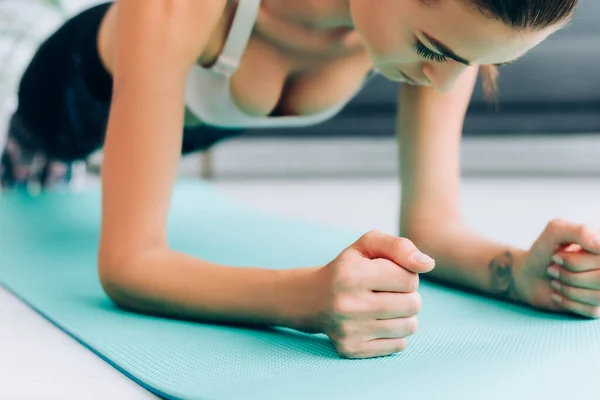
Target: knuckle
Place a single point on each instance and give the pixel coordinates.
(343, 307)
(414, 303)
(404, 245)
(412, 326)
(347, 349)
(375, 307)
(370, 235)
(348, 275)
(344, 331)
(401, 345)
(556, 224)
(412, 283)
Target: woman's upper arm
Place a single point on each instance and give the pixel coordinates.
(155, 44)
(429, 134)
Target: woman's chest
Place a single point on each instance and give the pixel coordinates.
(288, 68)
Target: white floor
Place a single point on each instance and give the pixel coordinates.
(39, 361)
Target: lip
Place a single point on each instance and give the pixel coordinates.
(408, 78)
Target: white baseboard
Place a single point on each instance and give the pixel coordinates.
(540, 155)
(568, 155)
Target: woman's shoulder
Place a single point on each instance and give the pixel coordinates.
(188, 21)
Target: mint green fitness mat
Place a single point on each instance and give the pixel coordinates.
(467, 347)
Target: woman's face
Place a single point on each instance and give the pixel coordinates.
(432, 42)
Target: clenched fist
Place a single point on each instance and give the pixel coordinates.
(368, 295)
(561, 271)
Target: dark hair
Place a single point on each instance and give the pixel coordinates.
(524, 15)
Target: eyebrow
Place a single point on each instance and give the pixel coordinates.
(445, 50)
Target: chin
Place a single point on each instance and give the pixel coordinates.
(393, 75)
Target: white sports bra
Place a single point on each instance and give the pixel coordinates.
(208, 90)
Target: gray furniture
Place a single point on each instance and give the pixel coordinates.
(555, 89)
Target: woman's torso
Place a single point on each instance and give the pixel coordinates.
(311, 68)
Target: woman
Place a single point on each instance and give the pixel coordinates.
(149, 83)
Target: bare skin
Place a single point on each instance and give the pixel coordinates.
(315, 53)
(316, 56)
(319, 67)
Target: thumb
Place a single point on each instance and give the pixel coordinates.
(400, 251)
(560, 234)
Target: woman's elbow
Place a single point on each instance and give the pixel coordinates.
(122, 266)
(112, 278)
(119, 277)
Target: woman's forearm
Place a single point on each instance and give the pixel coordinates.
(171, 284)
(430, 126)
(467, 259)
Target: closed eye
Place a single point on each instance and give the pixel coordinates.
(424, 52)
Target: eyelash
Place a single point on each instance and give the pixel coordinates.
(424, 52)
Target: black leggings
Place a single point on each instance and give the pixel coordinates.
(65, 93)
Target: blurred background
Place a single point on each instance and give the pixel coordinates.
(545, 124)
(533, 158)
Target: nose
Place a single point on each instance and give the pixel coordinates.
(443, 76)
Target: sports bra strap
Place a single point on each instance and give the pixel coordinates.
(239, 35)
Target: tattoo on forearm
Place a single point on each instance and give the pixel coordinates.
(501, 275)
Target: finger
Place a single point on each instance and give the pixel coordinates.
(401, 251)
(575, 307)
(560, 233)
(586, 296)
(584, 280)
(581, 261)
(386, 347)
(372, 349)
(388, 277)
(394, 328)
(394, 305)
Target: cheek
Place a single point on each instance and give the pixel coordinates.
(383, 33)
(385, 43)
